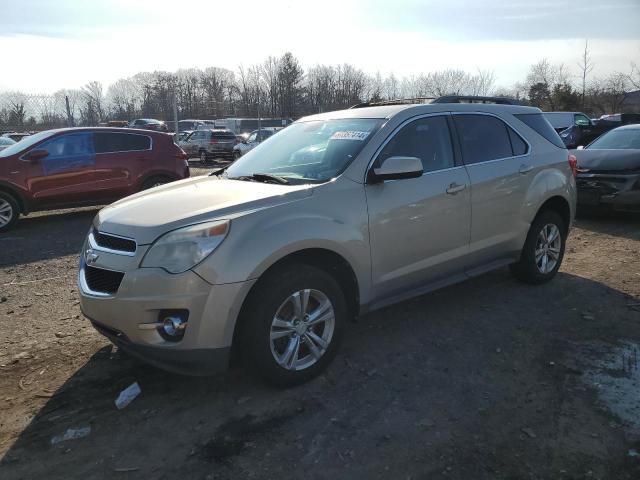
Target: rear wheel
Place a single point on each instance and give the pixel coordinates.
(9, 211)
(293, 324)
(154, 182)
(543, 250)
(203, 156)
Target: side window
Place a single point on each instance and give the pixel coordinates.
(518, 145)
(581, 120)
(68, 152)
(106, 142)
(482, 138)
(427, 139)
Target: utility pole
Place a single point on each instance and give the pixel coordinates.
(176, 135)
(69, 117)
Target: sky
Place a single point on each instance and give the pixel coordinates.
(52, 44)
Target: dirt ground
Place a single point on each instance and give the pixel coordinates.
(488, 379)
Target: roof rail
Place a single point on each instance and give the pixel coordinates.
(475, 99)
(396, 101)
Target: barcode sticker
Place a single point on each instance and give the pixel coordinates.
(349, 135)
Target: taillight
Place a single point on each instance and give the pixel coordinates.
(573, 164)
(213, 141)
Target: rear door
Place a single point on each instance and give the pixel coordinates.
(66, 175)
(120, 159)
(419, 227)
(500, 169)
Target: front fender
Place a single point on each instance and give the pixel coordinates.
(260, 239)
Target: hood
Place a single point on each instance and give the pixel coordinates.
(608, 160)
(147, 215)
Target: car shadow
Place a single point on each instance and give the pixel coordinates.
(471, 361)
(45, 235)
(618, 224)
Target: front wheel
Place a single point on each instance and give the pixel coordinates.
(293, 324)
(543, 250)
(9, 211)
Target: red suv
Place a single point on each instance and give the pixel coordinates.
(73, 167)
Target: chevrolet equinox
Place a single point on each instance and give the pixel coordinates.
(338, 214)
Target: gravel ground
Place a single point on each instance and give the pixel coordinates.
(488, 379)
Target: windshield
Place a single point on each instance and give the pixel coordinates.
(618, 139)
(308, 152)
(25, 143)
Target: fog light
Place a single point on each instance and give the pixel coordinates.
(174, 326)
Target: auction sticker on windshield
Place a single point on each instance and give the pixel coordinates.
(349, 135)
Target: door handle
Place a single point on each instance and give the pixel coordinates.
(455, 188)
(525, 168)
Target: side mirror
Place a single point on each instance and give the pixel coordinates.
(35, 156)
(580, 147)
(396, 168)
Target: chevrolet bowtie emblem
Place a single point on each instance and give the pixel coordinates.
(90, 256)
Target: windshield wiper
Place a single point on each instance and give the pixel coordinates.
(262, 177)
(220, 171)
(268, 177)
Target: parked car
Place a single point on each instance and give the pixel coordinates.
(253, 140)
(189, 125)
(16, 136)
(183, 136)
(71, 167)
(5, 142)
(583, 134)
(210, 144)
(149, 124)
(609, 171)
(273, 256)
(562, 120)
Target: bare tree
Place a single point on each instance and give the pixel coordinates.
(586, 66)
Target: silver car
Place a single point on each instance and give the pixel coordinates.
(273, 255)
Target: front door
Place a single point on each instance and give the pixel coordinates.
(66, 175)
(419, 227)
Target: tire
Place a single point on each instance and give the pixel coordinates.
(155, 182)
(236, 155)
(204, 158)
(9, 211)
(536, 271)
(317, 344)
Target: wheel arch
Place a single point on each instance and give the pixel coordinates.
(560, 205)
(15, 193)
(322, 258)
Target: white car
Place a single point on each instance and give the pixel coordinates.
(253, 140)
(6, 142)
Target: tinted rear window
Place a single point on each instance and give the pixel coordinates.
(108, 142)
(482, 138)
(539, 123)
(224, 136)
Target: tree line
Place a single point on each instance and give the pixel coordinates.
(279, 87)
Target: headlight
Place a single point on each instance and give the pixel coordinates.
(184, 248)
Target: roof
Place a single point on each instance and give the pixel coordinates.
(388, 111)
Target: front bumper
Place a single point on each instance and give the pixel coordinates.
(616, 192)
(143, 293)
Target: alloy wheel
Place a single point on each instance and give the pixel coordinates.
(548, 245)
(6, 212)
(302, 329)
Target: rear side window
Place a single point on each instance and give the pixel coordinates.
(109, 142)
(482, 138)
(539, 123)
(427, 139)
(518, 145)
